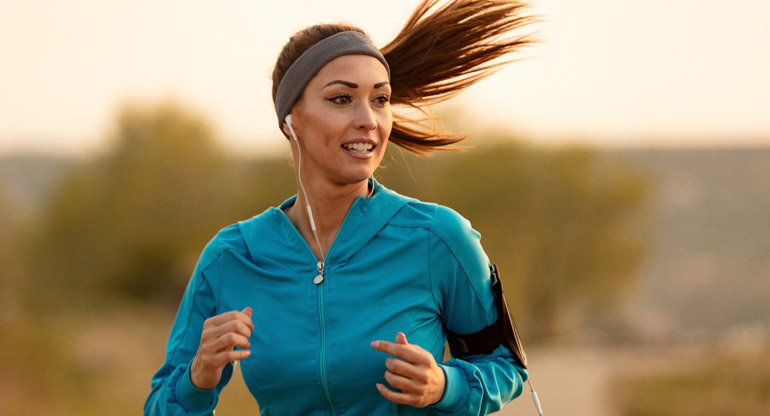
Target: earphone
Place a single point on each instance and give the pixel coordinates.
(318, 279)
(291, 129)
(299, 177)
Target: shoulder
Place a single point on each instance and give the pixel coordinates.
(228, 238)
(415, 213)
(443, 221)
(452, 227)
(453, 233)
(460, 239)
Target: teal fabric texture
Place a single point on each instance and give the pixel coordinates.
(397, 264)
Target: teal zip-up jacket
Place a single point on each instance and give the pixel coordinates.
(397, 264)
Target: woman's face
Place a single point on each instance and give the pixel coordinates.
(343, 120)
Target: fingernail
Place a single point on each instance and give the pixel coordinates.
(375, 344)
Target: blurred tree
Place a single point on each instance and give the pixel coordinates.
(12, 271)
(566, 226)
(133, 222)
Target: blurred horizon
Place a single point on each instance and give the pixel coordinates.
(628, 154)
(626, 269)
(623, 266)
(605, 73)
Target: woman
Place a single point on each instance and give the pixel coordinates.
(339, 301)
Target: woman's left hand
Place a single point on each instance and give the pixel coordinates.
(414, 372)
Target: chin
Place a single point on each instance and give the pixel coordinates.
(360, 173)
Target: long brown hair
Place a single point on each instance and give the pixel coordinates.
(441, 50)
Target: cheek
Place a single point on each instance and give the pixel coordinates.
(385, 124)
(320, 128)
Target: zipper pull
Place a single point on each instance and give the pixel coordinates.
(320, 278)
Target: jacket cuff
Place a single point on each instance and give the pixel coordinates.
(192, 398)
(455, 390)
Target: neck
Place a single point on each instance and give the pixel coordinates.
(329, 204)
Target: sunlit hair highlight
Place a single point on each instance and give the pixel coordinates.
(443, 48)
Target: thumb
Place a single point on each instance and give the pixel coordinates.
(248, 311)
(401, 339)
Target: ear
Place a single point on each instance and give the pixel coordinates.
(289, 124)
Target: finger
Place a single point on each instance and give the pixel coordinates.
(230, 340)
(238, 327)
(401, 339)
(220, 319)
(411, 371)
(395, 397)
(246, 315)
(219, 360)
(235, 355)
(408, 352)
(228, 322)
(224, 342)
(225, 335)
(400, 382)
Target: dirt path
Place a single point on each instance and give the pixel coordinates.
(573, 381)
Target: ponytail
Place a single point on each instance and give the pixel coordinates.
(439, 52)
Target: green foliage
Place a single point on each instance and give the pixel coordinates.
(133, 221)
(12, 271)
(563, 225)
(566, 226)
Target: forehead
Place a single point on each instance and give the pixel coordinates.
(363, 68)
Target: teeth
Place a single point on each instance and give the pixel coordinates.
(359, 147)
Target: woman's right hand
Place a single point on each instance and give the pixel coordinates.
(221, 334)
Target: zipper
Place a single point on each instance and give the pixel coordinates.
(318, 281)
(319, 285)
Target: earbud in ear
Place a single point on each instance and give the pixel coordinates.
(291, 128)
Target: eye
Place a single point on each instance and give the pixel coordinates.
(382, 99)
(340, 99)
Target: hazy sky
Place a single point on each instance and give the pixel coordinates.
(613, 72)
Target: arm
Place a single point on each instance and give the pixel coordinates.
(173, 392)
(476, 384)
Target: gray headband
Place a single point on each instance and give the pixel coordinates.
(312, 60)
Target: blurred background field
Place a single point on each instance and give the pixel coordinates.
(639, 277)
(618, 173)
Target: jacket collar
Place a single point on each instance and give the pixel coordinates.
(365, 218)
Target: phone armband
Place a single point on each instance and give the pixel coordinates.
(502, 332)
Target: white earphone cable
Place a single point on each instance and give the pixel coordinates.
(304, 193)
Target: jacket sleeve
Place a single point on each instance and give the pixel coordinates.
(172, 390)
(459, 269)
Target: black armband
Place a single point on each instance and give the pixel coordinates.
(502, 332)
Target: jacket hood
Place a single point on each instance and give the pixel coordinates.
(365, 218)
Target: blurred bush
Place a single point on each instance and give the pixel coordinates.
(90, 281)
(11, 246)
(130, 223)
(564, 225)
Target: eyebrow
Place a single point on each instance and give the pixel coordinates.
(354, 85)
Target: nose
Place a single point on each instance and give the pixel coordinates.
(365, 119)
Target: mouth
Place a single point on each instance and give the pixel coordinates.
(360, 148)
